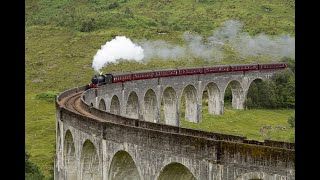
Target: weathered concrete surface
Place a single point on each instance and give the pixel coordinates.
(115, 105)
(132, 107)
(123, 167)
(176, 171)
(215, 102)
(170, 106)
(102, 105)
(124, 148)
(151, 111)
(113, 151)
(190, 93)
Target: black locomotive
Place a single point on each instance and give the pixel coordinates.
(100, 80)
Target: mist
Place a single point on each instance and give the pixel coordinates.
(230, 34)
(212, 47)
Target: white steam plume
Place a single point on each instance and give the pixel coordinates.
(118, 48)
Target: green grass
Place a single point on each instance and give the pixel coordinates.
(59, 56)
(247, 123)
(40, 131)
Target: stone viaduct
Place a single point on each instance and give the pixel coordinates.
(115, 132)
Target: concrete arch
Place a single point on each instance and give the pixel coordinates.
(175, 171)
(90, 168)
(249, 88)
(132, 107)
(102, 105)
(69, 156)
(238, 94)
(251, 80)
(115, 105)
(190, 97)
(214, 98)
(170, 106)
(131, 152)
(123, 167)
(255, 176)
(150, 106)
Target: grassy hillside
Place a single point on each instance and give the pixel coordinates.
(63, 36)
(173, 16)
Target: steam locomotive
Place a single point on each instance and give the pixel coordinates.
(147, 74)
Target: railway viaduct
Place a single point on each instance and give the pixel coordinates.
(115, 132)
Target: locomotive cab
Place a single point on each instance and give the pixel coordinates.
(108, 78)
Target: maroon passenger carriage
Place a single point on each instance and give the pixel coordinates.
(273, 66)
(244, 67)
(147, 74)
(216, 69)
(122, 77)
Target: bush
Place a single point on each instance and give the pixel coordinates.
(279, 92)
(48, 96)
(291, 121)
(290, 62)
(113, 5)
(87, 26)
(285, 89)
(128, 12)
(32, 171)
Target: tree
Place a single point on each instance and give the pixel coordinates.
(291, 121)
(285, 89)
(279, 92)
(32, 171)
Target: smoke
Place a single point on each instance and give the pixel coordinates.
(162, 50)
(264, 46)
(261, 45)
(211, 48)
(118, 48)
(194, 46)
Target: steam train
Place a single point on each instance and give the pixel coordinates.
(98, 80)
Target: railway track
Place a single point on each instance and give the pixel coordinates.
(71, 102)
